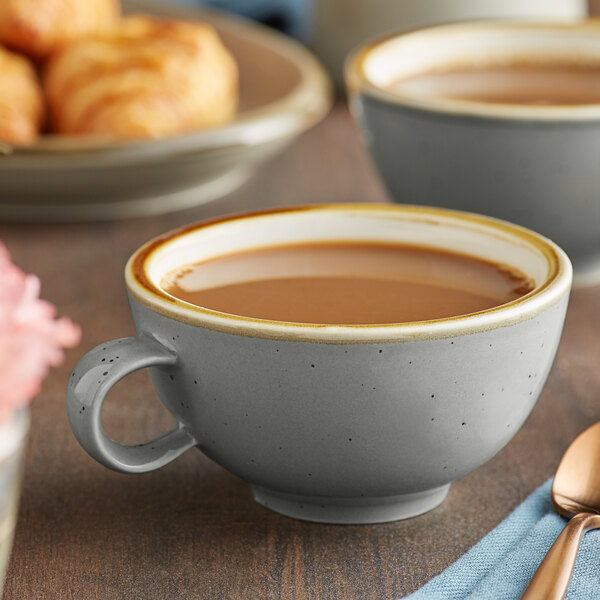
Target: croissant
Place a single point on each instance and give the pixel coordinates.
(148, 78)
(38, 27)
(21, 102)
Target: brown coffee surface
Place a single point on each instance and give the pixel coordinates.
(535, 84)
(346, 283)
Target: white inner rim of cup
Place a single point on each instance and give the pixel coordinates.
(481, 237)
(480, 44)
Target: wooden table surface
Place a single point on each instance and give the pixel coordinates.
(191, 530)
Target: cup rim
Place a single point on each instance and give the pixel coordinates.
(357, 80)
(557, 284)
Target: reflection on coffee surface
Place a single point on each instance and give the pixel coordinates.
(346, 283)
(519, 83)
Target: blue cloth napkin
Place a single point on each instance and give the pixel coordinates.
(500, 565)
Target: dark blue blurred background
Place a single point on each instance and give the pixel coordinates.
(290, 16)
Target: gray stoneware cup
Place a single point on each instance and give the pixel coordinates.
(332, 423)
(532, 165)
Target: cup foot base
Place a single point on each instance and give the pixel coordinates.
(350, 511)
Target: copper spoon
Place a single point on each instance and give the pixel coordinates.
(576, 496)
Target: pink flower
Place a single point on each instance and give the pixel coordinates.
(31, 339)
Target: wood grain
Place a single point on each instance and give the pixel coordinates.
(192, 530)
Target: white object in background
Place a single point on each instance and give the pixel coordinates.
(340, 25)
(13, 434)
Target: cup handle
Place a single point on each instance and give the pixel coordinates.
(91, 380)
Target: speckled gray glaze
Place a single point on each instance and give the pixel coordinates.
(326, 429)
(536, 166)
(478, 166)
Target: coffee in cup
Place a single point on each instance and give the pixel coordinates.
(518, 82)
(346, 283)
(334, 422)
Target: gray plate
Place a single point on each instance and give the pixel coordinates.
(284, 91)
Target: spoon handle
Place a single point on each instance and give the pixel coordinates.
(552, 577)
